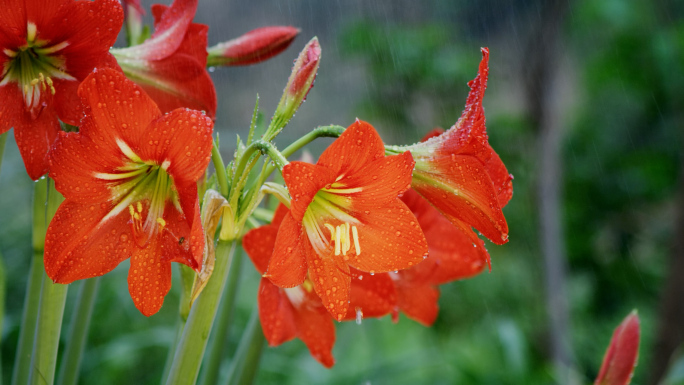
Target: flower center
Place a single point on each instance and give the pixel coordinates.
(34, 66)
(330, 210)
(143, 188)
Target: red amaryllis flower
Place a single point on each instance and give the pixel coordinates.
(253, 47)
(291, 312)
(459, 172)
(171, 65)
(621, 356)
(46, 49)
(129, 177)
(346, 212)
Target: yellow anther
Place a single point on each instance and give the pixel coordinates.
(161, 222)
(48, 80)
(332, 231)
(131, 210)
(52, 90)
(337, 240)
(34, 82)
(41, 77)
(307, 285)
(139, 207)
(136, 216)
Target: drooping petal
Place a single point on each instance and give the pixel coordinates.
(260, 242)
(316, 328)
(331, 279)
(275, 313)
(621, 357)
(359, 145)
(90, 29)
(371, 295)
(149, 277)
(303, 181)
(418, 301)
(466, 193)
(168, 35)
(288, 264)
(183, 139)
(116, 109)
(34, 138)
(81, 244)
(389, 238)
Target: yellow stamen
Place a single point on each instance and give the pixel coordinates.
(346, 240)
(131, 210)
(332, 231)
(337, 240)
(140, 207)
(357, 246)
(162, 222)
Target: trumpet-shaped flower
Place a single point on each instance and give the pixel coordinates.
(46, 50)
(291, 312)
(459, 172)
(345, 212)
(129, 177)
(170, 65)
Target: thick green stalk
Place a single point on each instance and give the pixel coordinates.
(78, 332)
(22, 363)
(3, 140)
(193, 342)
(172, 350)
(51, 305)
(246, 362)
(220, 337)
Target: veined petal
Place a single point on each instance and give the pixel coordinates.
(371, 295)
(13, 26)
(194, 43)
(390, 239)
(149, 277)
(11, 107)
(168, 35)
(316, 328)
(34, 138)
(331, 279)
(275, 313)
(303, 181)
(116, 110)
(181, 142)
(288, 264)
(359, 145)
(380, 181)
(89, 28)
(462, 190)
(418, 301)
(79, 244)
(260, 242)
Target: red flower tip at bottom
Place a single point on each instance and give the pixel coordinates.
(291, 312)
(621, 356)
(129, 178)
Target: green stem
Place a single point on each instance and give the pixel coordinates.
(52, 299)
(22, 363)
(331, 131)
(172, 350)
(78, 332)
(193, 342)
(3, 140)
(246, 362)
(220, 337)
(221, 176)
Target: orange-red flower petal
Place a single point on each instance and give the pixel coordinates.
(622, 353)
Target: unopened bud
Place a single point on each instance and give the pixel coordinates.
(253, 47)
(298, 85)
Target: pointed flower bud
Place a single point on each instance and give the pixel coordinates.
(253, 47)
(621, 356)
(298, 85)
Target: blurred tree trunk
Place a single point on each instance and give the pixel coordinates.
(541, 64)
(671, 315)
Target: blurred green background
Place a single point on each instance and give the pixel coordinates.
(585, 106)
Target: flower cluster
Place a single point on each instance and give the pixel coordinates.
(368, 234)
